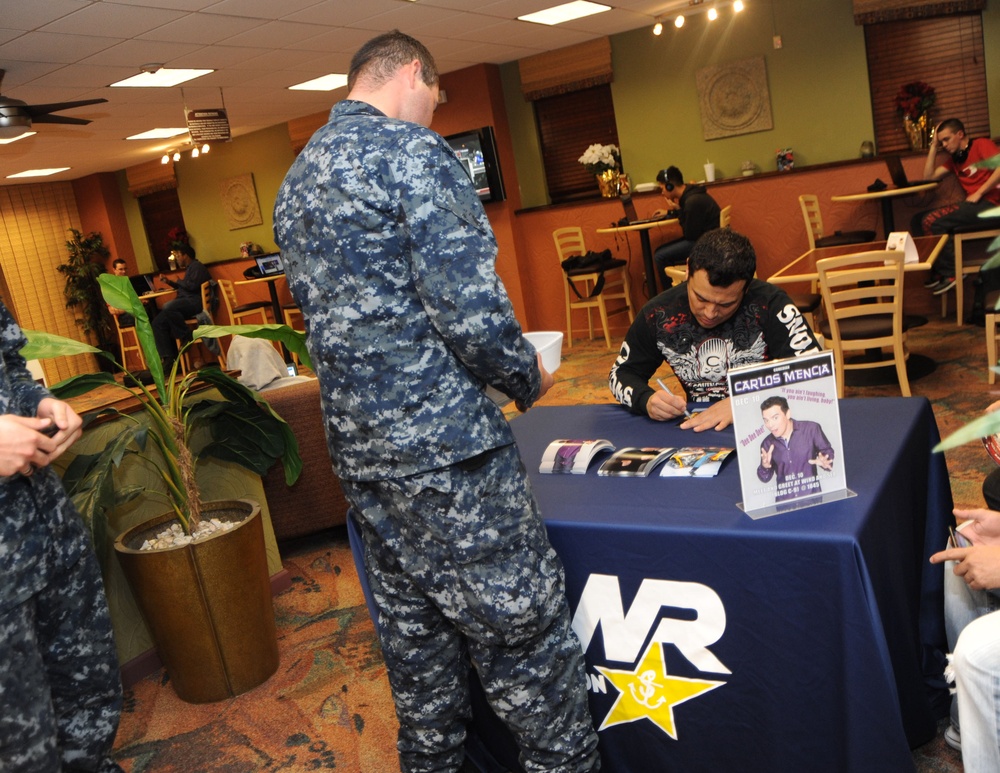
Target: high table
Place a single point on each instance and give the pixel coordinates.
(647, 251)
(885, 197)
(798, 642)
(803, 268)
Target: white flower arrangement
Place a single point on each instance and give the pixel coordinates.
(601, 158)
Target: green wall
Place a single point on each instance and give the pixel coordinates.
(266, 154)
(818, 84)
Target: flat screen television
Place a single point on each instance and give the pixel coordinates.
(477, 151)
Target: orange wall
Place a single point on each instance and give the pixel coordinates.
(99, 203)
(765, 208)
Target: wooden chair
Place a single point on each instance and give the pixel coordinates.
(680, 273)
(126, 334)
(206, 305)
(863, 299)
(966, 263)
(239, 313)
(814, 227)
(569, 242)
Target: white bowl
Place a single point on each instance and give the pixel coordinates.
(549, 345)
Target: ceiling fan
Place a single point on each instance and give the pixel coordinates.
(16, 117)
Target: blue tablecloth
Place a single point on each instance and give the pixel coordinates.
(811, 640)
(832, 615)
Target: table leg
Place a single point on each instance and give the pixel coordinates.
(888, 217)
(647, 261)
(279, 318)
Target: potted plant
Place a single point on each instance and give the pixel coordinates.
(87, 255)
(207, 603)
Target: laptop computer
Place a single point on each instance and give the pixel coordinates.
(142, 284)
(898, 174)
(632, 218)
(269, 265)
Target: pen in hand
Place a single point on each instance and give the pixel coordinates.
(687, 413)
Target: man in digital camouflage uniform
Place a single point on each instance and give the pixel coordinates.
(60, 693)
(390, 255)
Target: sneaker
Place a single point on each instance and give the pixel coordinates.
(944, 286)
(953, 738)
(933, 280)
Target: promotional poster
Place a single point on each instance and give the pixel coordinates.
(786, 419)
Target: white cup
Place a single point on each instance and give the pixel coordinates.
(710, 173)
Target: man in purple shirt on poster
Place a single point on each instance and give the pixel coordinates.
(793, 451)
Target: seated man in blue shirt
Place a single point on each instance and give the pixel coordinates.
(793, 451)
(170, 324)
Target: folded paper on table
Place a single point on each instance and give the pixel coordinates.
(903, 241)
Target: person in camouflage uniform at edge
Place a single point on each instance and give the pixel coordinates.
(390, 256)
(60, 691)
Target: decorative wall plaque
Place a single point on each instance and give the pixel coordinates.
(734, 98)
(239, 200)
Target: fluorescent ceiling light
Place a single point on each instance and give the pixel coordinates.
(565, 12)
(38, 172)
(323, 83)
(158, 134)
(18, 137)
(160, 79)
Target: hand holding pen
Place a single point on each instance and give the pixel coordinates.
(665, 405)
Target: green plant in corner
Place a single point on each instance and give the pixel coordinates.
(83, 293)
(242, 427)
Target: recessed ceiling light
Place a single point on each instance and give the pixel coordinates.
(158, 134)
(38, 172)
(160, 79)
(18, 137)
(566, 12)
(323, 83)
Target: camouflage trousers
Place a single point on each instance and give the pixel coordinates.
(60, 690)
(461, 570)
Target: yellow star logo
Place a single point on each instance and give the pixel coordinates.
(649, 693)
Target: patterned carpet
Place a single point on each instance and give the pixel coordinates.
(328, 707)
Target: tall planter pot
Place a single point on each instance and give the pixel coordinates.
(207, 604)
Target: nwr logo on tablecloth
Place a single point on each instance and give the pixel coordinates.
(647, 691)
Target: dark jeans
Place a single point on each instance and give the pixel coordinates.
(671, 254)
(948, 219)
(170, 325)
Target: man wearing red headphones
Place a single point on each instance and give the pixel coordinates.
(697, 212)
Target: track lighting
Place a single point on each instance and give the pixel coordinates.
(712, 14)
(679, 22)
(658, 27)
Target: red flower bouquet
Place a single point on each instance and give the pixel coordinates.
(915, 99)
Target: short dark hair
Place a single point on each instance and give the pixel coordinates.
(952, 123)
(187, 249)
(727, 257)
(774, 400)
(116, 261)
(671, 174)
(378, 59)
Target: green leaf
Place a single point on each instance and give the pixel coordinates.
(988, 424)
(294, 340)
(42, 345)
(80, 385)
(118, 292)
